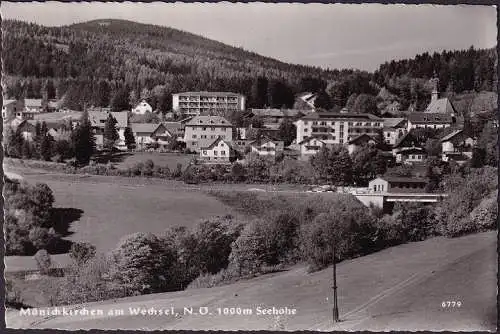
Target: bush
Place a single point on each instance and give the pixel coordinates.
(43, 261)
(247, 255)
(140, 263)
(204, 249)
(87, 282)
(416, 220)
(485, 215)
(82, 252)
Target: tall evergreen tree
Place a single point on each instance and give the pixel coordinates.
(129, 138)
(83, 140)
(110, 135)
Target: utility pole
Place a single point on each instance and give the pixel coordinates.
(335, 304)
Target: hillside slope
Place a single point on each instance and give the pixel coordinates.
(398, 288)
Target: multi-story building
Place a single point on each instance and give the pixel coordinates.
(337, 128)
(201, 131)
(216, 103)
(427, 120)
(12, 109)
(394, 128)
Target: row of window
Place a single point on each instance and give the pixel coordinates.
(205, 136)
(204, 128)
(333, 123)
(378, 187)
(215, 152)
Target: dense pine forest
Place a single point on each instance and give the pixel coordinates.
(115, 63)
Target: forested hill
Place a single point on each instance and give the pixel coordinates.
(116, 62)
(118, 53)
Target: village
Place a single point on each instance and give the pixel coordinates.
(161, 176)
(197, 128)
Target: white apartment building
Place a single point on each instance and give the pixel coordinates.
(201, 131)
(337, 128)
(195, 103)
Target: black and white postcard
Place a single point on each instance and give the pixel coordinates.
(250, 166)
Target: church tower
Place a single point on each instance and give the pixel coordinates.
(435, 88)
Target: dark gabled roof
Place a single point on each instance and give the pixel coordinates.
(393, 122)
(173, 126)
(208, 121)
(210, 144)
(341, 116)
(429, 118)
(278, 112)
(398, 179)
(305, 140)
(402, 139)
(451, 135)
(144, 127)
(361, 137)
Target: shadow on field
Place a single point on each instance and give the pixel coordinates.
(62, 219)
(104, 158)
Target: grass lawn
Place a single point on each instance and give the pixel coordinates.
(114, 207)
(161, 159)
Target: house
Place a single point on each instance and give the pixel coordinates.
(396, 184)
(307, 99)
(429, 120)
(58, 129)
(457, 146)
(272, 118)
(408, 150)
(53, 106)
(11, 108)
(150, 133)
(337, 128)
(35, 106)
(267, 147)
(310, 146)
(201, 129)
(411, 155)
(98, 120)
(196, 103)
(394, 128)
(175, 128)
(218, 150)
(361, 140)
(142, 108)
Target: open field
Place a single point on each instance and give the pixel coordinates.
(161, 159)
(400, 288)
(113, 207)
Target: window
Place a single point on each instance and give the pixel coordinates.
(205, 153)
(215, 152)
(305, 130)
(315, 123)
(194, 136)
(204, 129)
(221, 144)
(212, 137)
(213, 129)
(222, 152)
(224, 129)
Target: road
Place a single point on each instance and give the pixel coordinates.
(400, 288)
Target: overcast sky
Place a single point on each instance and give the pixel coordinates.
(326, 35)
